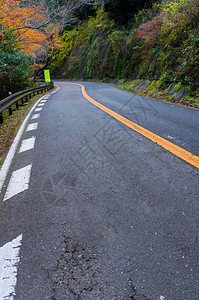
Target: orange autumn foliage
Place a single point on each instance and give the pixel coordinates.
(27, 23)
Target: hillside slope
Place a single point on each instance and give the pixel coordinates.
(161, 42)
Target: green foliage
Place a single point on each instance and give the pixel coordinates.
(15, 68)
(98, 48)
(117, 40)
(177, 13)
(60, 56)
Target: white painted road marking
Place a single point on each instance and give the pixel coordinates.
(35, 116)
(38, 109)
(41, 104)
(43, 101)
(32, 126)
(11, 153)
(9, 260)
(27, 144)
(19, 182)
(6, 165)
(170, 137)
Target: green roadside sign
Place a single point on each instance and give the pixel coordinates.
(47, 76)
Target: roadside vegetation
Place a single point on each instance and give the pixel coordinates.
(29, 34)
(159, 41)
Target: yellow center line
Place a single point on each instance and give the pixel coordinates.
(178, 151)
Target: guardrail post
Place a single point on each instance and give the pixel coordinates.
(17, 105)
(10, 110)
(1, 118)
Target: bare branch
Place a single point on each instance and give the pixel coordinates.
(61, 15)
(93, 2)
(31, 27)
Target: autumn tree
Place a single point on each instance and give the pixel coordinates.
(27, 23)
(36, 25)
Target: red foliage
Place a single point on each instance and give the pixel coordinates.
(150, 30)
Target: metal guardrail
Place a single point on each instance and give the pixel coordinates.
(22, 96)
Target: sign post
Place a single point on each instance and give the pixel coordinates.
(47, 76)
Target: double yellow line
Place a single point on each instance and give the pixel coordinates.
(178, 151)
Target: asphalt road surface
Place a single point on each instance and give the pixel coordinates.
(91, 209)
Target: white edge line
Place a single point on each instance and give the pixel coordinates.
(6, 165)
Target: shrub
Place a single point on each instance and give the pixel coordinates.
(177, 13)
(149, 31)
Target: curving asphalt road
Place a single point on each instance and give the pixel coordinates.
(103, 213)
